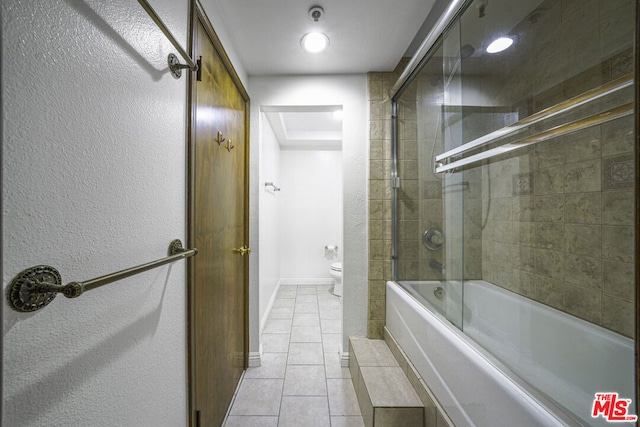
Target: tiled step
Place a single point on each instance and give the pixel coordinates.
(385, 395)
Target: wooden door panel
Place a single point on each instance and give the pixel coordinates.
(219, 216)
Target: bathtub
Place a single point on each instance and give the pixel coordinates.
(550, 351)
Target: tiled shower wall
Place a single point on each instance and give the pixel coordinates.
(420, 195)
(380, 85)
(560, 224)
(420, 205)
(560, 215)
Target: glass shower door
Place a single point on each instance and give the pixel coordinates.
(453, 183)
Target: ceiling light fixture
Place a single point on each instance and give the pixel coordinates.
(314, 42)
(499, 44)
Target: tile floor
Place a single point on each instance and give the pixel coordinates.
(300, 382)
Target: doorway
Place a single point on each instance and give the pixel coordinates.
(218, 227)
(350, 93)
(301, 218)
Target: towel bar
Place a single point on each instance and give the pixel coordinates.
(174, 63)
(36, 287)
(272, 185)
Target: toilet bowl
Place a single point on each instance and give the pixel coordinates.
(336, 273)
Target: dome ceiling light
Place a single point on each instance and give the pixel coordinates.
(315, 42)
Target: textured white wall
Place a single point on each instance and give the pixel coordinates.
(350, 91)
(310, 213)
(93, 167)
(270, 209)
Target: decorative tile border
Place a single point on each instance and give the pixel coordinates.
(523, 184)
(618, 172)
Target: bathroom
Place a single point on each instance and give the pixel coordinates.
(300, 222)
(95, 180)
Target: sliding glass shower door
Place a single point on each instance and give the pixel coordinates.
(516, 143)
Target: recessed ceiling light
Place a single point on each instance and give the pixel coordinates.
(499, 44)
(314, 42)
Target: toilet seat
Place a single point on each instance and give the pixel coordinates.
(337, 267)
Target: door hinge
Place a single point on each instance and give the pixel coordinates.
(199, 72)
(197, 418)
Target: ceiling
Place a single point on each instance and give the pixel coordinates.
(365, 35)
(306, 128)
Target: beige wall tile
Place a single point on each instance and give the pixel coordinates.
(389, 417)
(525, 233)
(583, 271)
(550, 263)
(583, 176)
(549, 291)
(583, 302)
(618, 279)
(583, 239)
(523, 208)
(617, 137)
(617, 243)
(618, 315)
(549, 208)
(618, 208)
(549, 181)
(583, 145)
(550, 235)
(583, 208)
(549, 154)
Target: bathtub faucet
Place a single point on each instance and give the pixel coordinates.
(435, 265)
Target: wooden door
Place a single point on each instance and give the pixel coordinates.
(218, 224)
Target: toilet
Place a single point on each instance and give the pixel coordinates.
(336, 273)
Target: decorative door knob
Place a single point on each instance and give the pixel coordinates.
(242, 251)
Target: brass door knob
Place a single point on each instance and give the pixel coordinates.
(242, 251)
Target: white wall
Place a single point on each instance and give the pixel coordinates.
(350, 91)
(93, 162)
(297, 222)
(310, 214)
(269, 250)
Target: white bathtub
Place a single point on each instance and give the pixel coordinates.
(550, 350)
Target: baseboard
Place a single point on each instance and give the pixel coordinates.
(267, 312)
(254, 359)
(306, 281)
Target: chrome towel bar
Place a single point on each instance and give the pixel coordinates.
(596, 119)
(35, 287)
(563, 107)
(174, 64)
